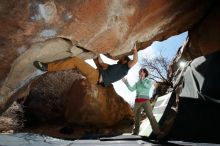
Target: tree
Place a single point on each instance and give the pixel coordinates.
(158, 69)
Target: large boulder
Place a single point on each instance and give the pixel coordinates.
(67, 96)
(95, 26)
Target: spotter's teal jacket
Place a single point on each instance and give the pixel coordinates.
(142, 88)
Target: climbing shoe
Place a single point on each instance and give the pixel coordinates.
(40, 65)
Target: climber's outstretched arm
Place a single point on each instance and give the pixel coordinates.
(101, 63)
(135, 57)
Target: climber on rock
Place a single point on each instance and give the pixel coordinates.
(105, 75)
(23, 71)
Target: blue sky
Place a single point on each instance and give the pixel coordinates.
(167, 48)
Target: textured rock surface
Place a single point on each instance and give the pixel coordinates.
(98, 26)
(12, 119)
(204, 37)
(66, 96)
(46, 99)
(103, 108)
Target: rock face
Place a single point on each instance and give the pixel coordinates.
(46, 100)
(203, 37)
(99, 110)
(65, 96)
(98, 27)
